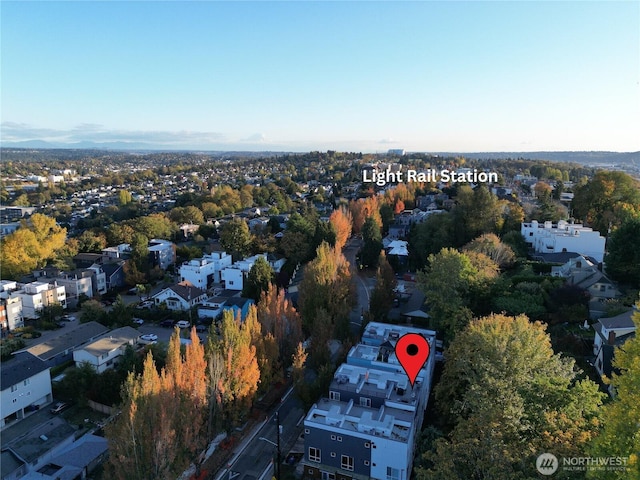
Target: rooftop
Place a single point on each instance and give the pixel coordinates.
(33, 444)
(385, 421)
(112, 341)
(22, 366)
(392, 386)
(70, 339)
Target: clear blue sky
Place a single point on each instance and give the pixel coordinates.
(359, 76)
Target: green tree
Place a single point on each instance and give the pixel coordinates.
(258, 280)
(623, 253)
(510, 398)
(476, 212)
(607, 200)
(372, 246)
(620, 435)
(124, 198)
(448, 283)
(384, 291)
(235, 238)
(189, 214)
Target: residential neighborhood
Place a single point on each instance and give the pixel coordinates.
(306, 295)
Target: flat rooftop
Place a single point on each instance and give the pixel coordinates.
(112, 341)
(394, 387)
(385, 422)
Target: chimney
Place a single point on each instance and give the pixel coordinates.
(612, 338)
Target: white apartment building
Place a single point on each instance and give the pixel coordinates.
(37, 295)
(203, 272)
(563, 237)
(26, 383)
(10, 306)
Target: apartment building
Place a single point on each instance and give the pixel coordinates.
(367, 427)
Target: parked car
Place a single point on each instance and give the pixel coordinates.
(183, 324)
(58, 407)
(167, 323)
(149, 337)
(147, 304)
(138, 321)
(201, 328)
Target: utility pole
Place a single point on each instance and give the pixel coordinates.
(278, 447)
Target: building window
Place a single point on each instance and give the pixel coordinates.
(314, 454)
(26, 382)
(346, 463)
(365, 402)
(14, 388)
(393, 473)
(366, 463)
(333, 437)
(328, 476)
(367, 445)
(339, 438)
(333, 454)
(334, 395)
(307, 431)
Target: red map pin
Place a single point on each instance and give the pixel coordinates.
(412, 351)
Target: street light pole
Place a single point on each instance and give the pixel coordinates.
(278, 442)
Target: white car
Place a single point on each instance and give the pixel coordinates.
(148, 338)
(138, 321)
(183, 324)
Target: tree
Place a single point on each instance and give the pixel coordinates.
(258, 280)
(235, 238)
(447, 284)
(189, 214)
(267, 352)
(372, 243)
(623, 253)
(279, 317)
(510, 398)
(384, 291)
(607, 200)
(490, 245)
(241, 371)
(92, 311)
(124, 198)
(163, 420)
(621, 418)
(326, 285)
(91, 242)
(30, 246)
(476, 212)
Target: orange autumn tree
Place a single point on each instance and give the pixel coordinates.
(241, 374)
(162, 424)
(342, 221)
(278, 317)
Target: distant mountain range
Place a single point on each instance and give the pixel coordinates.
(589, 158)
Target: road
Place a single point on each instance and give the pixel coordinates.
(364, 284)
(258, 454)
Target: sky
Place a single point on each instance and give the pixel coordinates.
(300, 75)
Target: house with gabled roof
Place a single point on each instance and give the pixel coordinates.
(610, 333)
(25, 384)
(180, 296)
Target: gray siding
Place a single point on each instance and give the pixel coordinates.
(351, 446)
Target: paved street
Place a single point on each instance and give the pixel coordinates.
(364, 284)
(258, 454)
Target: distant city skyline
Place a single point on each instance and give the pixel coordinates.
(300, 76)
